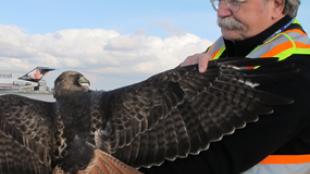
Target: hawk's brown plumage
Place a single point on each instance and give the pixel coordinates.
(170, 115)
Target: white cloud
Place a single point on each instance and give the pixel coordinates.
(97, 52)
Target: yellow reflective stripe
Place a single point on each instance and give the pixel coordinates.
(290, 39)
(295, 21)
(285, 54)
(288, 52)
(302, 51)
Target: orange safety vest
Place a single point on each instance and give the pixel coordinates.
(282, 45)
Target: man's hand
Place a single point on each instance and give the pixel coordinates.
(201, 59)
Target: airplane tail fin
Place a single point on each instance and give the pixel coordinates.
(36, 74)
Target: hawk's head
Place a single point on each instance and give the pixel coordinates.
(70, 82)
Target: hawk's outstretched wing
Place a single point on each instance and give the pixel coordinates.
(31, 132)
(25, 135)
(185, 111)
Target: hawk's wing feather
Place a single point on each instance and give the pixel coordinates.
(25, 135)
(180, 111)
(137, 108)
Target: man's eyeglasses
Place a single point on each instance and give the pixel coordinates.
(234, 5)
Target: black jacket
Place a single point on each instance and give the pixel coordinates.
(287, 131)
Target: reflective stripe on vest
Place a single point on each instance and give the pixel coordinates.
(282, 45)
(216, 49)
(282, 164)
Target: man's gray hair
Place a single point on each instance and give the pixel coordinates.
(291, 7)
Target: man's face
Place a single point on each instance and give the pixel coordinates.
(251, 18)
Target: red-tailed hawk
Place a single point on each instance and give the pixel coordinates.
(170, 115)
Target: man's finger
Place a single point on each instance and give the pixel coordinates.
(203, 62)
(190, 60)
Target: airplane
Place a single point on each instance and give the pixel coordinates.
(31, 82)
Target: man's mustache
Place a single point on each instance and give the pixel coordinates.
(230, 23)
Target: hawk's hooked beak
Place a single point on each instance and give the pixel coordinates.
(84, 82)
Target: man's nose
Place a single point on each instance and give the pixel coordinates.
(224, 9)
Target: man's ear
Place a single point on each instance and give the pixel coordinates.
(278, 9)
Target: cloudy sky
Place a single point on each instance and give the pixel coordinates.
(114, 43)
